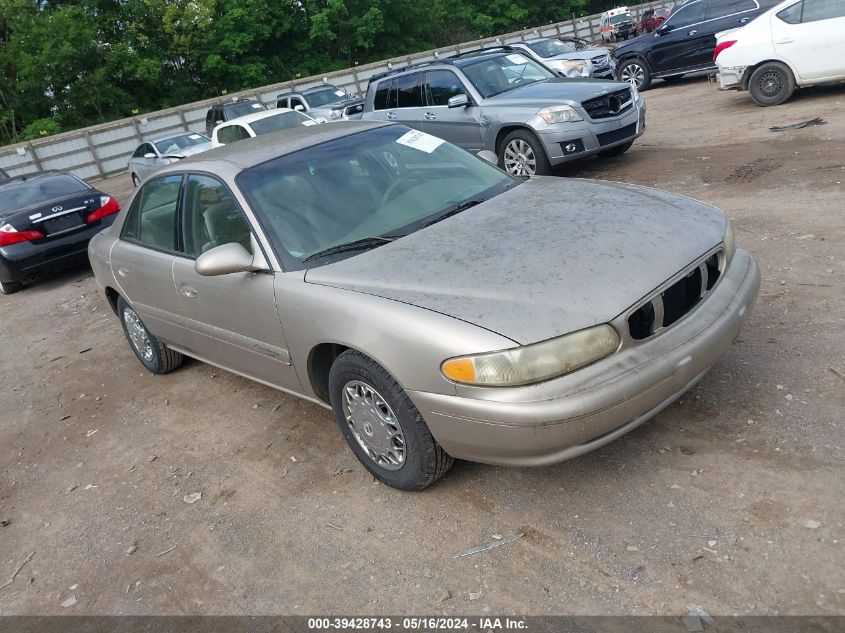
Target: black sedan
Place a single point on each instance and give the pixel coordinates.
(46, 221)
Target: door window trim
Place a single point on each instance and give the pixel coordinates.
(721, 17)
(177, 227)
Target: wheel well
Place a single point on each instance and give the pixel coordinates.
(320, 361)
(746, 76)
(507, 130)
(111, 295)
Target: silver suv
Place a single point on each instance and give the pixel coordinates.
(498, 99)
(327, 101)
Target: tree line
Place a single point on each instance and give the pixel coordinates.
(72, 63)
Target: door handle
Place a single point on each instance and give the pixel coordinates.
(123, 272)
(430, 116)
(391, 115)
(693, 32)
(786, 40)
(744, 20)
(189, 291)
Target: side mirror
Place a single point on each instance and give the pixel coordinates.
(664, 28)
(299, 108)
(225, 259)
(150, 156)
(489, 156)
(458, 101)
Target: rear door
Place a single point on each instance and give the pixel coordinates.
(142, 259)
(233, 318)
(408, 106)
(456, 125)
(810, 35)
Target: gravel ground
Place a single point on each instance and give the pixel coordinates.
(731, 499)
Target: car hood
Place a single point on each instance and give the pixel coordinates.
(547, 257)
(543, 93)
(639, 43)
(190, 151)
(586, 53)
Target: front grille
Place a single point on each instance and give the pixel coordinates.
(600, 61)
(611, 104)
(672, 304)
(617, 135)
(354, 109)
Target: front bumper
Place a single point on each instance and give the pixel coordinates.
(560, 419)
(27, 261)
(591, 137)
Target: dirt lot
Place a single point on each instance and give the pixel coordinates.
(731, 499)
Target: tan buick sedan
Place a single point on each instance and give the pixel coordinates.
(440, 307)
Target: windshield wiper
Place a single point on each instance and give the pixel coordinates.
(356, 245)
(462, 206)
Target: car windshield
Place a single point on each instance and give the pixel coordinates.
(322, 97)
(622, 17)
(280, 121)
(178, 143)
(243, 108)
(388, 181)
(19, 194)
(495, 75)
(550, 48)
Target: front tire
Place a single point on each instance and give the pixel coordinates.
(636, 72)
(10, 287)
(616, 151)
(382, 426)
(155, 356)
(771, 84)
(522, 154)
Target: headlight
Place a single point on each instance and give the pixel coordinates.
(730, 241)
(534, 363)
(576, 68)
(559, 114)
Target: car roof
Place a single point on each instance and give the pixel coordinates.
(231, 104)
(250, 152)
(38, 175)
(257, 116)
(164, 137)
(317, 88)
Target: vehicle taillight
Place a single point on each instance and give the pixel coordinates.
(10, 235)
(722, 46)
(108, 206)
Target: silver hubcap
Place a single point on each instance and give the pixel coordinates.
(374, 425)
(137, 334)
(520, 159)
(633, 74)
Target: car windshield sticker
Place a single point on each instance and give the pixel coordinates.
(421, 141)
(257, 106)
(516, 59)
(309, 122)
(339, 93)
(194, 137)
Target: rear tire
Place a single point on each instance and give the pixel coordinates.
(636, 72)
(771, 84)
(382, 426)
(155, 356)
(616, 151)
(522, 154)
(10, 287)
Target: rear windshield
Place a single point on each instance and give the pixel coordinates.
(19, 194)
(281, 121)
(243, 108)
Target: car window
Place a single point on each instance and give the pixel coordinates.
(815, 10)
(139, 152)
(383, 96)
(792, 14)
(687, 14)
(383, 181)
(325, 96)
(231, 134)
(212, 217)
(409, 90)
(492, 76)
(281, 102)
(440, 86)
(745, 5)
(179, 142)
(151, 220)
(550, 48)
(242, 109)
(296, 101)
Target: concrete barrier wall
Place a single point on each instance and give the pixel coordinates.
(104, 150)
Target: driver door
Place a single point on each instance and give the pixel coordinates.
(233, 318)
(459, 126)
(683, 41)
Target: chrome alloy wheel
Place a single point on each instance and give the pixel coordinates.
(633, 74)
(138, 334)
(520, 159)
(374, 425)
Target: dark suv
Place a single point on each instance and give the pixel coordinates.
(222, 112)
(685, 42)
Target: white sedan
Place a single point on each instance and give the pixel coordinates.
(795, 44)
(258, 123)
